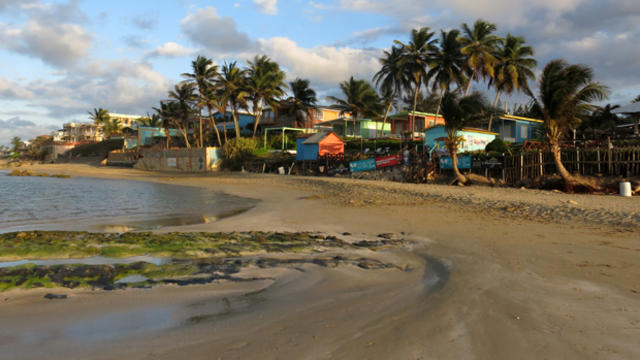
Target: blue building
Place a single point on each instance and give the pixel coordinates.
(245, 120)
(517, 129)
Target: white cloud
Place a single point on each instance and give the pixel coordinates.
(269, 7)
(327, 65)
(216, 33)
(171, 49)
(13, 91)
(23, 129)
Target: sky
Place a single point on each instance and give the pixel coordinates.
(60, 59)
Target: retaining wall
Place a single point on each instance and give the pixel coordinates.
(188, 160)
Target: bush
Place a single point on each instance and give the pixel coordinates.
(275, 142)
(235, 151)
(497, 145)
(100, 149)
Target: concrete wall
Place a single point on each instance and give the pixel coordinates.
(188, 160)
(55, 150)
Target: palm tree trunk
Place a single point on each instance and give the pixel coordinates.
(384, 120)
(466, 92)
(234, 115)
(440, 101)
(454, 163)
(495, 103)
(201, 144)
(569, 180)
(256, 121)
(213, 124)
(415, 103)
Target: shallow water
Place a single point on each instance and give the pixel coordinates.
(43, 203)
(95, 260)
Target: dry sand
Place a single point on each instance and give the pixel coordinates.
(495, 274)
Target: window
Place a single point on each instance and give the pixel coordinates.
(319, 114)
(524, 132)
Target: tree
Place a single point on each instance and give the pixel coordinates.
(302, 100)
(233, 82)
(181, 109)
(17, 144)
(149, 121)
(359, 99)
(513, 69)
(637, 99)
(112, 127)
(415, 60)
(265, 85)
(391, 79)
(426, 102)
(203, 75)
(457, 112)
(447, 64)
(602, 118)
(479, 45)
(99, 117)
(566, 93)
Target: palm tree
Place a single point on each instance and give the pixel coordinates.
(302, 100)
(360, 99)
(99, 117)
(184, 96)
(566, 92)
(457, 112)
(637, 99)
(168, 114)
(391, 79)
(479, 45)
(112, 127)
(513, 69)
(150, 121)
(602, 118)
(17, 144)
(415, 60)
(233, 82)
(205, 73)
(447, 64)
(265, 85)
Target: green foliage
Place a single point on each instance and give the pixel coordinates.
(100, 149)
(237, 150)
(275, 142)
(497, 145)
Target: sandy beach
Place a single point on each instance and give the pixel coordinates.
(489, 273)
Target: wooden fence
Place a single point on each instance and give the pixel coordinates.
(588, 161)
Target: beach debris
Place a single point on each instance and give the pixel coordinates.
(572, 202)
(51, 296)
(61, 176)
(516, 317)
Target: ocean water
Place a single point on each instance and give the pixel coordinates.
(44, 203)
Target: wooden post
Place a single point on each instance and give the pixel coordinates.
(578, 160)
(521, 166)
(610, 166)
(598, 158)
(541, 164)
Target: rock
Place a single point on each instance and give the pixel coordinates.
(572, 202)
(55, 296)
(523, 188)
(104, 162)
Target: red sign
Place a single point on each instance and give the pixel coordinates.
(387, 161)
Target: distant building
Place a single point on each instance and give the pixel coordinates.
(282, 118)
(365, 128)
(76, 132)
(127, 120)
(402, 121)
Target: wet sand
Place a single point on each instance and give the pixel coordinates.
(561, 280)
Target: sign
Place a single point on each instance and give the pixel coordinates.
(171, 162)
(387, 161)
(464, 162)
(362, 165)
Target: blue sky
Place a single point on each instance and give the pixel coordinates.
(61, 58)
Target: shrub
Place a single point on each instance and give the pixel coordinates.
(497, 145)
(235, 151)
(275, 142)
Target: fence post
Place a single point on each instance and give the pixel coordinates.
(578, 160)
(521, 166)
(609, 161)
(598, 154)
(541, 163)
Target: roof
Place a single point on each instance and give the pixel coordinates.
(343, 119)
(406, 113)
(318, 137)
(628, 109)
(521, 118)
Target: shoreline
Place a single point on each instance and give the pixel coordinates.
(517, 287)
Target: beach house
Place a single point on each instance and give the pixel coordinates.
(278, 118)
(312, 146)
(402, 122)
(517, 129)
(365, 128)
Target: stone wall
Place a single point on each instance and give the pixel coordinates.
(188, 160)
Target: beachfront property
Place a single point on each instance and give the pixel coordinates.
(127, 120)
(311, 146)
(77, 132)
(517, 129)
(473, 139)
(245, 120)
(280, 118)
(365, 128)
(401, 122)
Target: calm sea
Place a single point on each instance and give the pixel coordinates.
(44, 203)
